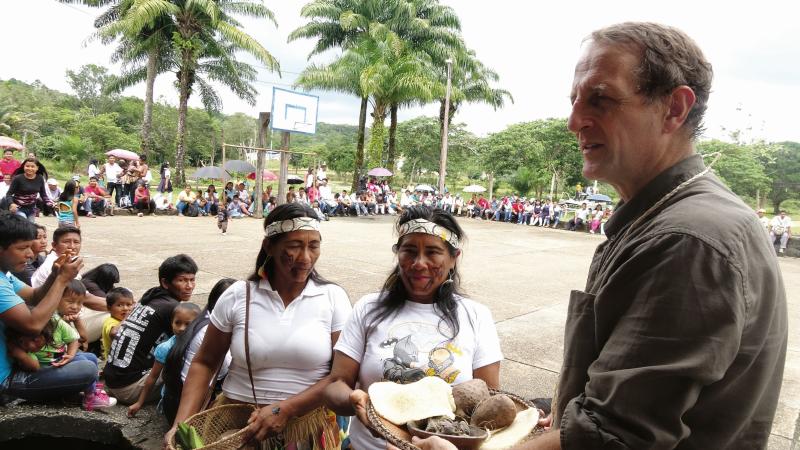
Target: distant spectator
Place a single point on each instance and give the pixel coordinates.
(185, 198)
(67, 206)
(112, 171)
(9, 164)
(237, 209)
(28, 182)
(781, 229)
(142, 202)
(4, 187)
(95, 199)
(580, 218)
(93, 170)
(39, 250)
(165, 184)
(212, 200)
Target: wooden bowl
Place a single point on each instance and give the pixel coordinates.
(471, 442)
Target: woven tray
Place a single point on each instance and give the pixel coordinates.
(401, 438)
(213, 422)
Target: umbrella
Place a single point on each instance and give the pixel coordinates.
(7, 142)
(599, 198)
(237, 165)
(266, 175)
(424, 187)
(294, 179)
(212, 172)
(474, 188)
(123, 154)
(379, 172)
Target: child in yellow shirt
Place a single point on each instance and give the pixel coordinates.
(120, 303)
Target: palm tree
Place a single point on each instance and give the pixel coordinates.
(206, 40)
(343, 75)
(144, 51)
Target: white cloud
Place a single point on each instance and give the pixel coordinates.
(532, 45)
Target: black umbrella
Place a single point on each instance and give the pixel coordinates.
(237, 165)
(294, 179)
(212, 172)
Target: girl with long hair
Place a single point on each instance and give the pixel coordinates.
(27, 182)
(67, 208)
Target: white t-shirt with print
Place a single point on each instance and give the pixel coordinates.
(415, 343)
(290, 347)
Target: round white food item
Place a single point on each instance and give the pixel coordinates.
(402, 403)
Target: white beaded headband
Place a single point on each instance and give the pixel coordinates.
(428, 227)
(289, 225)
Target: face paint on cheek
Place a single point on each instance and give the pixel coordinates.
(287, 258)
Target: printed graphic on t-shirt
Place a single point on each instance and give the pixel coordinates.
(414, 350)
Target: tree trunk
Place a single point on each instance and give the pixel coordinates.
(147, 119)
(392, 152)
(185, 79)
(491, 186)
(359, 160)
(377, 134)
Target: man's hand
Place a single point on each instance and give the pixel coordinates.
(433, 443)
(13, 207)
(66, 268)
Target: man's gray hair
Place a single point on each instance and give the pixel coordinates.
(669, 58)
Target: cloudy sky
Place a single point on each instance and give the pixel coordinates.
(754, 47)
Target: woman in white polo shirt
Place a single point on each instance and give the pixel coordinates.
(292, 322)
(418, 325)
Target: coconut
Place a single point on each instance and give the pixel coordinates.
(495, 412)
(468, 395)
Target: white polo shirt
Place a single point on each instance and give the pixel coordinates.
(290, 347)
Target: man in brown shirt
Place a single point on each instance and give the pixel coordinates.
(679, 339)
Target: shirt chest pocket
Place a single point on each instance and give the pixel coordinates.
(580, 343)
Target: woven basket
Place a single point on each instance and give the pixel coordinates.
(401, 438)
(213, 422)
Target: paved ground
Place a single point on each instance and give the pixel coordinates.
(523, 274)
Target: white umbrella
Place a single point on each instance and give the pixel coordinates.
(474, 188)
(424, 187)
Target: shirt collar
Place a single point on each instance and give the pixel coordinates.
(312, 288)
(658, 187)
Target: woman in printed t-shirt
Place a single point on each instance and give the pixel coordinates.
(295, 317)
(416, 326)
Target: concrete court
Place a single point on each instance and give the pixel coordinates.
(524, 275)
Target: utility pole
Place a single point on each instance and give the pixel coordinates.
(445, 131)
(263, 125)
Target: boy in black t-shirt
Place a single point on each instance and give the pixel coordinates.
(131, 355)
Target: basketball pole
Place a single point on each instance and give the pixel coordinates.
(284, 173)
(263, 124)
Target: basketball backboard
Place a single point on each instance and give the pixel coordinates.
(294, 111)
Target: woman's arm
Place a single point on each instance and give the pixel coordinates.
(152, 377)
(490, 374)
(75, 212)
(211, 353)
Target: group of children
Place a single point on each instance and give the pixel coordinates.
(62, 342)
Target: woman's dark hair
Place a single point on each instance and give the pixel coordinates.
(68, 193)
(39, 171)
(93, 161)
(174, 362)
(287, 211)
(210, 187)
(164, 165)
(393, 294)
(143, 158)
(105, 276)
(14, 228)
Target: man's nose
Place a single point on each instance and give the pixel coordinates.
(578, 119)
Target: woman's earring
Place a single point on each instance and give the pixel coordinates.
(449, 277)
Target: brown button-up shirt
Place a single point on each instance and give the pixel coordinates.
(679, 339)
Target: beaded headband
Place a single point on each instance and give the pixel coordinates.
(428, 227)
(289, 225)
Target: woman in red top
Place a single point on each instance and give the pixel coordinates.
(142, 201)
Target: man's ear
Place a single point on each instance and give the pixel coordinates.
(679, 104)
(164, 284)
